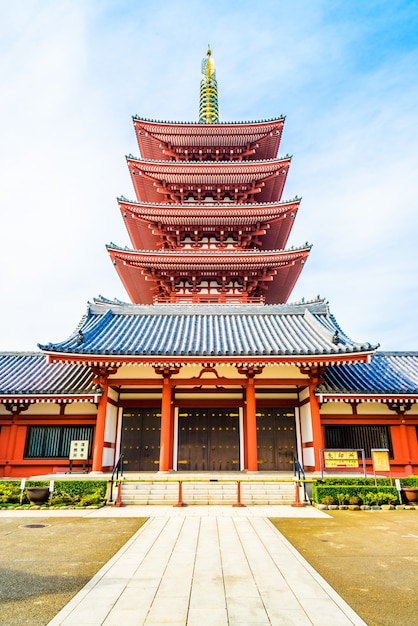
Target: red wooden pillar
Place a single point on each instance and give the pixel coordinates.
(101, 378)
(317, 432)
(251, 424)
(167, 428)
(250, 419)
(244, 435)
(99, 431)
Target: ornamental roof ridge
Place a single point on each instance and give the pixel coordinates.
(169, 164)
(232, 123)
(204, 252)
(102, 306)
(397, 353)
(23, 353)
(224, 205)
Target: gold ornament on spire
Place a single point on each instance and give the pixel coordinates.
(208, 110)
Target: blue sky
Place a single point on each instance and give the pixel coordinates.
(344, 74)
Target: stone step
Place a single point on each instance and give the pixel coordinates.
(209, 492)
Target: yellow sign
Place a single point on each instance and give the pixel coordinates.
(345, 463)
(341, 458)
(381, 460)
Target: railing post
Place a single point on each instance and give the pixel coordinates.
(180, 497)
(118, 502)
(238, 502)
(297, 502)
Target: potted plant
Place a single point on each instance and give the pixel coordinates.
(410, 494)
(37, 495)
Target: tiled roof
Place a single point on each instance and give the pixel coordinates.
(28, 373)
(207, 214)
(154, 137)
(296, 332)
(387, 373)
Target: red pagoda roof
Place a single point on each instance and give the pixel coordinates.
(180, 140)
(253, 275)
(152, 225)
(158, 181)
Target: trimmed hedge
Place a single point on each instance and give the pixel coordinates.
(66, 492)
(365, 489)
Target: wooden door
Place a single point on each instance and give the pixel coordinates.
(276, 439)
(141, 439)
(208, 440)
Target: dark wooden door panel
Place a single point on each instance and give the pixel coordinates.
(208, 440)
(141, 439)
(276, 439)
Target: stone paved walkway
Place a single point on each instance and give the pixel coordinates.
(214, 566)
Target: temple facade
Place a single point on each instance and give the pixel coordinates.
(209, 367)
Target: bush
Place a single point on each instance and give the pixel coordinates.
(9, 492)
(66, 492)
(363, 490)
(89, 499)
(328, 500)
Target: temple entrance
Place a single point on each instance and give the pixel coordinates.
(208, 439)
(276, 439)
(141, 439)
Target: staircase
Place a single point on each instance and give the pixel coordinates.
(207, 491)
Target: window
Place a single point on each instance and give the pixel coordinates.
(54, 441)
(363, 437)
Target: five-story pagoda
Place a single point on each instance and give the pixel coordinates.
(208, 225)
(208, 368)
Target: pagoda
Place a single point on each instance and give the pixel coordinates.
(208, 225)
(208, 367)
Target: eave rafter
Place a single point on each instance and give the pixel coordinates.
(192, 276)
(214, 225)
(177, 183)
(208, 142)
(299, 360)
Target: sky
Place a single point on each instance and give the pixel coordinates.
(72, 74)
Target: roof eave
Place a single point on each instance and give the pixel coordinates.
(116, 360)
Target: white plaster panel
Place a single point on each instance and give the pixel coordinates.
(336, 408)
(111, 421)
(374, 408)
(308, 457)
(113, 394)
(42, 408)
(304, 394)
(306, 423)
(281, 371)
(108, 459)
(81, 408)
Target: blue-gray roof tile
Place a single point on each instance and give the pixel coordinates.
(112, 328)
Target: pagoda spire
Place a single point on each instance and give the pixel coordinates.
(208, 109)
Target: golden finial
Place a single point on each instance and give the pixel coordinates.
(208, 110)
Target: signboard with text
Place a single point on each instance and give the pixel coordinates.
(79, 450)
(342, 459)
(380, 458)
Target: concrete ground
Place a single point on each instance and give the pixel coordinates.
(45, 561)
(369, 557)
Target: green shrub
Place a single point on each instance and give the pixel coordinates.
(343, 492)
(66, 492)
(328, 500)
(89, 499)
(9, 492)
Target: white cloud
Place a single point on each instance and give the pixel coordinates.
(73, 73)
